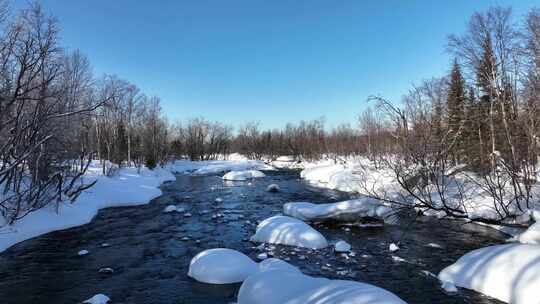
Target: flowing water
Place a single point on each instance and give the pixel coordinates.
(150, 250)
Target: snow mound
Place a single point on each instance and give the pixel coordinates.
(289, 286)
(393, 247)
(243, 175)
(288, 231)
(276, 264)
(98, 299)
(345, 211)
(221, 266)
(342, 246)
(507, 272)
(531, 235)
(272, 188)
(169, 209)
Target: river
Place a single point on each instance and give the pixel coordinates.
(150, 251)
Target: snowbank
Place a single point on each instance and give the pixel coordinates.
(284, 286)
(221, 266)
(214, 167)
(510, 273)
(359, 175)
(243, 175)
(356, 175)
(288, 231)
(128, 187)
(286, 162)
(531, 235)
(345, 211)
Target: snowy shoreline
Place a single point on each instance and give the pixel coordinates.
(128, 187)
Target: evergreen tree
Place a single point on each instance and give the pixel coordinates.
(456, 109)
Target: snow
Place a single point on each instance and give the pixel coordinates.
(342, 246)
(106, 270)
(243, 175)
(287, 285)
(360, 175)
(434, 245)
(348, 211)
(98, 299)
(506, 272)
(128, 187)
(170, 208)
(531, 235)
(215, 167)
(449, 287)
(286, 230)
(286, 162)
(321, 174)
(262, 256)
(393, 247)
(221, 266)
(273, 264)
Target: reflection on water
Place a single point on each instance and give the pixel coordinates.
(150, 250)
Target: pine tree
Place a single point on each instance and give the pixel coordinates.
(486, 76)
(456, 109)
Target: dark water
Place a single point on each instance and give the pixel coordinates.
(150, 254)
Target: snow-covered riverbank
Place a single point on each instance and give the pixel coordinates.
(507, 272)
(129, 186)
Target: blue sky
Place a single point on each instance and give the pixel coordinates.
(269, 61)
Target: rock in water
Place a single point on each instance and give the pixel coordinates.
(342, 246)
(273, 188)
(106, 270)
(262, 256)
(393, 247)
(170, 208)
(98, 299)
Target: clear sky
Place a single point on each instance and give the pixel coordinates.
(269, 61)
